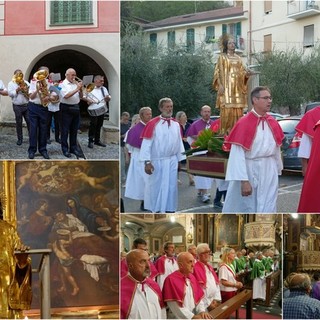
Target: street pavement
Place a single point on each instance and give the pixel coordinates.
(9, 150)
(290, 184)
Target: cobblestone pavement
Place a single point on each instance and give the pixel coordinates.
(9, 150)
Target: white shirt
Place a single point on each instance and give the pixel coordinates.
(33, 88)
(189, 308)
(96, 94)
(169, 268)
(305, 146)
(17, 98)
(146, 305)
(212, 290)
(2, 87)
(225, 274)
(67, 87)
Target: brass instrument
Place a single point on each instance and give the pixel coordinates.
(88, 89)
(42, 88)
(18, 79)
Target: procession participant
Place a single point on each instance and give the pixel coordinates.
(258, 275)
(306, 128)
(141, 244)
(207, 277)
(124, 154)
(18, 90)
(71, 92)
(309, 199)
(141, 297)
(97, 95)
(193, 250)
(167, 263)
(227, 275)
(202, 184)
(136, 176)
(38, 113)
(162, 150)
(255, 158)
(182, 293)
(3, 89)
(230, 80)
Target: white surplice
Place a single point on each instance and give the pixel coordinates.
(135, 182)
(165, 150)
(261, 166)
(170, 266)
(212, 289)
(145, 304)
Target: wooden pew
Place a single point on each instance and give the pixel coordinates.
(227, 308)
(271, 290)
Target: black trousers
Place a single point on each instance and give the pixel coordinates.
(70, 118)
(21, 112)
(95, 128)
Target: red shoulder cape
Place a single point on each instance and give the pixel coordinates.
(244, 131)
(200, 273)
(128, 289)
(148, 130)
(308, 121)
(174, 288)
(309, 199)
(159, 264)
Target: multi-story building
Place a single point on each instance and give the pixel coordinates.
(84, 35)
(257, 26)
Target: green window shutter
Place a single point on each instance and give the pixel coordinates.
(171, 39)
(210, 34)
(238, 29)
(153, 39)
(190, 40)
(70, 12)
(224, 29)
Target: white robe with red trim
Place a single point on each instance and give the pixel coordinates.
(164, 149)
(261, 167)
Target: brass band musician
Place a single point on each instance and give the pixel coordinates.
(18, 90)
(99, 95)
(38, 113)
(71, 93)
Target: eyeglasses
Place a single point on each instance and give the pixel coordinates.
(265, 98)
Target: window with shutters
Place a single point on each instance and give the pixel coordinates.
(153, 39)
(267, 6)
(267, 42)
(190, 40)
(171, 39)
(233, 29)
(70, 13)
(308, 36)
(210, 34)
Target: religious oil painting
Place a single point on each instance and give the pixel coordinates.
(228, 230)
(72, 208)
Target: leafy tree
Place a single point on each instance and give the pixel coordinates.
(148, 74)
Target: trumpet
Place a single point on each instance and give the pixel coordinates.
(42, 88)
(18, 79)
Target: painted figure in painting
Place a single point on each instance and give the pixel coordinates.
(15, 273)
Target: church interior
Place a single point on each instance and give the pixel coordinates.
(252, 232)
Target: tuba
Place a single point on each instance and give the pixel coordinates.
(42, 88)
(88, 89)
(18, 79)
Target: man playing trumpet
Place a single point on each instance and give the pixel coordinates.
(18, 90)
(38, 113)
(71, 93)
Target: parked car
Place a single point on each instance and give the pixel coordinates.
(311, 105)
(278, 116)
(291, 143)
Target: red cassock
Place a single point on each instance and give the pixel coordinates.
(310, 197)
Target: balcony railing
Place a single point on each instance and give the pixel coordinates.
(302, 9)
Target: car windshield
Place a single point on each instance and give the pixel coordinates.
(288, 126)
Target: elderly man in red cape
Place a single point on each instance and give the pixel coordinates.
(207, 277)
(306, 128)
(255, 158)
(182, 292)
(309, 199)
(141, 297)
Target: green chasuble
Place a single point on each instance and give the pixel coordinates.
(258, 270)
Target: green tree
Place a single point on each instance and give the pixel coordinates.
(149, 74)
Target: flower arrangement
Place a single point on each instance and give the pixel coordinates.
(208, 139)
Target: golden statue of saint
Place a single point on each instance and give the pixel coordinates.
(230, 81)
(15, 273)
